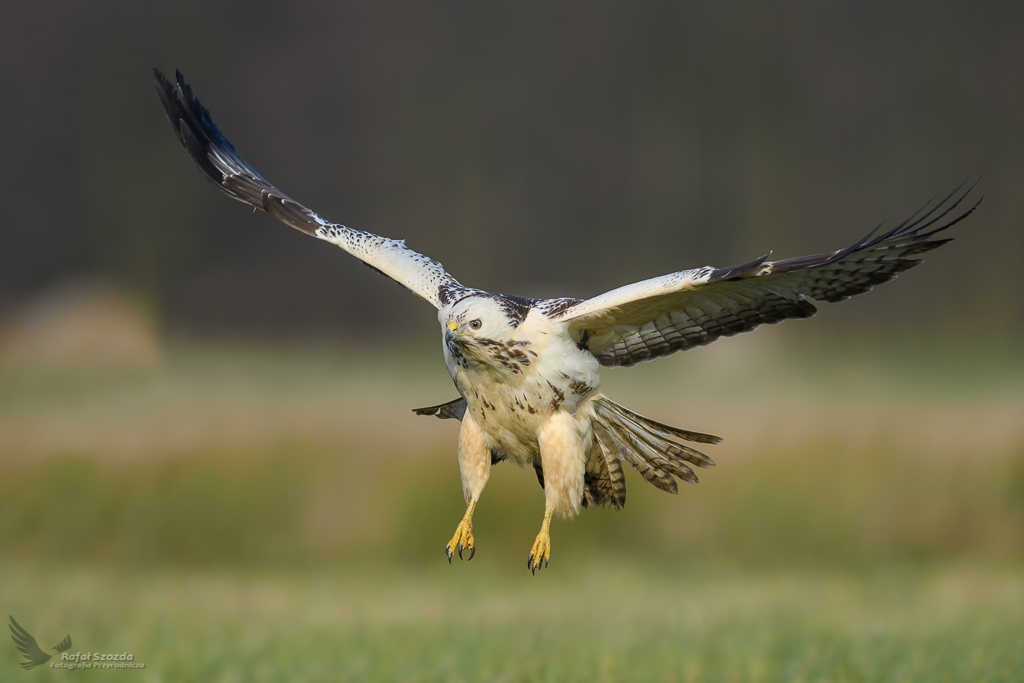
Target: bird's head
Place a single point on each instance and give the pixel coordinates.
(476, 320)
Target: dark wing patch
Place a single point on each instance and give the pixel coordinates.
(516, 308)
(452, 293)
(552, 307)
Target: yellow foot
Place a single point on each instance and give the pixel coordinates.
(540, 553)
(463, 538)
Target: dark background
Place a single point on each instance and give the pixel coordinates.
(532, 148)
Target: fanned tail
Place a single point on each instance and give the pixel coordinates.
(651, 447)
(603, 480)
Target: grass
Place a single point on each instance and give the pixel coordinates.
(249, 516)
(613, 621)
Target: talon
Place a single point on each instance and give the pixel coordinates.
(540, 553)
(463, 538)
(472, 552)
(540, 556)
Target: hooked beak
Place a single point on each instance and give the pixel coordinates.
(450, 333)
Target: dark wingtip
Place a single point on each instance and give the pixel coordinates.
(206, 145)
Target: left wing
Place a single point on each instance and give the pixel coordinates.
(224, 167)
(675, 312)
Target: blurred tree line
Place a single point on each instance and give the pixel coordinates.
(536, 148)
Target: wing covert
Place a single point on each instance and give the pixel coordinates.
(224, 167)
(679, 311)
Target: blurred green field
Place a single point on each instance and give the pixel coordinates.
(280, 514)
(609, 621)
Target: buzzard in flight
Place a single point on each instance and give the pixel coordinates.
(527, 370)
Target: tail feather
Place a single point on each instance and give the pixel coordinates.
(657, 441)
(645, 445)
(650, 471)
(663, 430)
(604, 482)
(660, 461)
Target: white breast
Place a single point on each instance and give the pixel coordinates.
(511, 400)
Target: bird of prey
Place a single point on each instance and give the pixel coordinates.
(34, 656)
(527, 370)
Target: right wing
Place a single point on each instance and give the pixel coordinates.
(222, 165)
(689, 308)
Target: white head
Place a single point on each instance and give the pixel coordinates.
(475, 325)
(478, 317)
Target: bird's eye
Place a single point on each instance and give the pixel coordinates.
(475, 324)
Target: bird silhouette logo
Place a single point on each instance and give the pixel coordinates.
(34, 656)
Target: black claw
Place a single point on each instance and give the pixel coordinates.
(547, 561)
(472, 552)
(448, 552)
(461, 545)
(529, 561)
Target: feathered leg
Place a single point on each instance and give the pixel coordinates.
(475, 469)
(563, 461)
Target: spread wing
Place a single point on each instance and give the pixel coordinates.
(221, 164)
(27, 645)
(679, 311)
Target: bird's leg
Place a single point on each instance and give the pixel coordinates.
(540, 553)
(463, 538)
(475, 468)
(563, 462)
